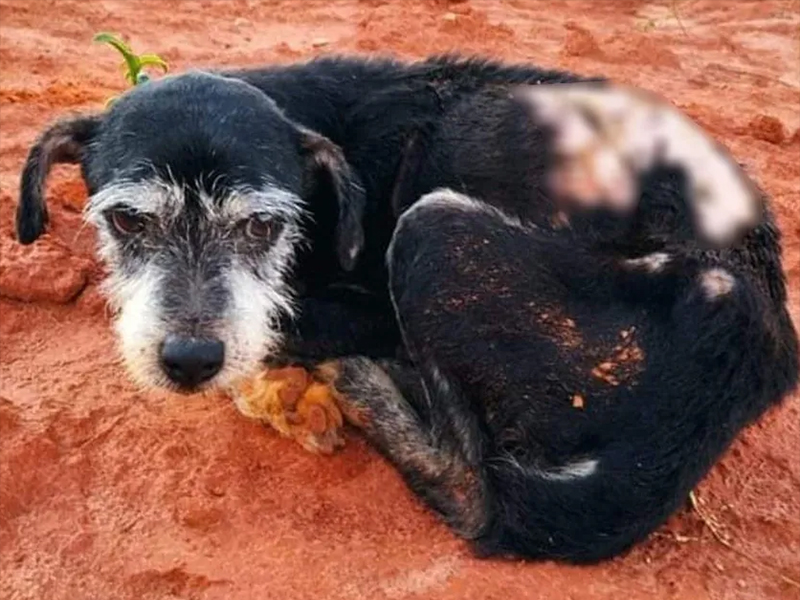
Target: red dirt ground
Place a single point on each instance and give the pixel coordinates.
(111, 494)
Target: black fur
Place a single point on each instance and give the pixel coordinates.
(708, 368)
(505, 320)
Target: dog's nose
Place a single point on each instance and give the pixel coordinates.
(191, 361)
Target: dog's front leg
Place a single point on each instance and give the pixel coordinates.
(296, 403)
(290, 394)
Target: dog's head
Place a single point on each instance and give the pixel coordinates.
(198, 186)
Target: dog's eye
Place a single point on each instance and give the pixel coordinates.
(127, 222)
(259, 228)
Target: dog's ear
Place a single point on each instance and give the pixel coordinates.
(62, 142)
(327, 161)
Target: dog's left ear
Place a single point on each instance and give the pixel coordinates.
(326, 160)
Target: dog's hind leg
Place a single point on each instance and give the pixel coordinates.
(437, 450)
(414, 412)
(502, 322)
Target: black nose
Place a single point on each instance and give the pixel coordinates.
(191, 361)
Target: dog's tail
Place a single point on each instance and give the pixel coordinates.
(739, 356)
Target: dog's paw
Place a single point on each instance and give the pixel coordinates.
(606, 136)
(339, 375)
(296, 404)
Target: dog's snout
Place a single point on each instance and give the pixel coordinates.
(191, 361)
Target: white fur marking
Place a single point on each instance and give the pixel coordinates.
(139, 327)
(154, 196)
(579, 469)
(575, 470)
(440, 381)
(448, 198)
(166, 200)
(652, 263)
(717, 283)
(270, 199)
(250, 329)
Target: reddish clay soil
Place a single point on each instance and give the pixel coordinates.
(111, 494)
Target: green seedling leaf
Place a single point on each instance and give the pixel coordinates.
(153, 60)
(131, 60)
(133, 64)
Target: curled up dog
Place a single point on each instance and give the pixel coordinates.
(551, 302)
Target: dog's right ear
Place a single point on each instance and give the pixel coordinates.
(63, 142)
(327, 158)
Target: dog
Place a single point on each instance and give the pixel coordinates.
(550, 301)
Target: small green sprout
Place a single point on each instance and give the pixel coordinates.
(133, 64)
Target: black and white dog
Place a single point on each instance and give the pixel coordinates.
(586, 291)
